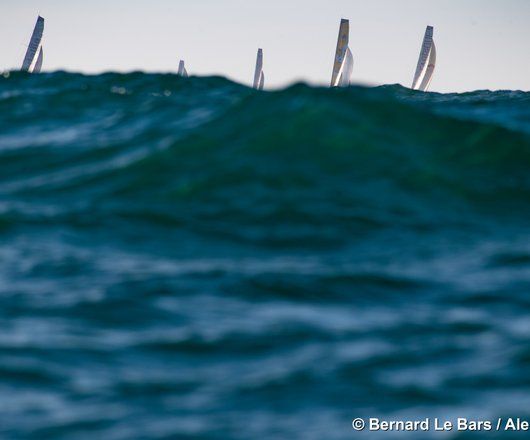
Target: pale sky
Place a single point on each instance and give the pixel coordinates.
(481, 44)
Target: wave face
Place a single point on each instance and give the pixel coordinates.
(189, 258)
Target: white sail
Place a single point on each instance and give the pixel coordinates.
(426, 62)
(259, 76)
(182, 69)
(430, 69)
(38, 64)
(343, 63)
(346, 70)
(34, 48)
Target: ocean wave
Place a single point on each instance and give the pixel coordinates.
(181, 254)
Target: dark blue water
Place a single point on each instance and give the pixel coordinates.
(190, 259)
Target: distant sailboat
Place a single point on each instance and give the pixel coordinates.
(182, 70)
(35, 55)
(343, 64)
(426, 63)
(259, 76)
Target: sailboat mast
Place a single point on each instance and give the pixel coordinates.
(259, 77)
(426, 62)
(182, 69)
(34, 48)
(340, 52)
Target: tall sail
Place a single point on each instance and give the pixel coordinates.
(182, 69)
(34, 48)
(426, 62)
(343, 63)
(259, 76)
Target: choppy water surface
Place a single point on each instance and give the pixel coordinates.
(188, 258)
